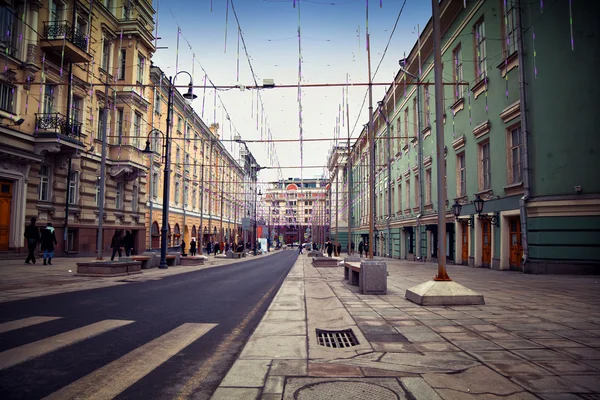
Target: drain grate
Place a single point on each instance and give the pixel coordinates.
(337, 339)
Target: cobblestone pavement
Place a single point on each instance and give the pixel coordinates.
(537, 337)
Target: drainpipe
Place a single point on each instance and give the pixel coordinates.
(525, 139)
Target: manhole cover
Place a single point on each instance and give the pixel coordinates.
(346, 391)
(336, 339)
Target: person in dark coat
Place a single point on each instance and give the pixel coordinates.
(48, 242)
(182, 248)
(128, 243)
(329, 248)
(193, 247)
(32, 237)
(339, 249)
(361, 247)
(116, 244)
(217, 248)
(351, 247)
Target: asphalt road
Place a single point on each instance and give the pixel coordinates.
(187, 329)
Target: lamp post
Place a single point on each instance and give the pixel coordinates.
(389, 174)
(256, 193)
(166, 180)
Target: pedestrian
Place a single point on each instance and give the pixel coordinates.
(32, 236)
(351, 248)
(48, 242)
(361, 247)
(367, 249)
(226, 247)
(193, 247)
(208, 248)
(329, 248)
(339, 249)
(128, 243)
(183, 248)
(217, 248)
(116, 244)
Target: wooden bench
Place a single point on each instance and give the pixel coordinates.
(143, 259)
(171, 259)
(352, 273)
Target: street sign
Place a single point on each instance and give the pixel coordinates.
(245, 223)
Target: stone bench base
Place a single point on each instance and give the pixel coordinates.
(108, 268)
(145, 260)
(318, 262)
(315, 253)
(191, 260)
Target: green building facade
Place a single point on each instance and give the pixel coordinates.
(520, 133)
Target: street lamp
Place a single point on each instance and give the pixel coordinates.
(167, 146)
(478, 204)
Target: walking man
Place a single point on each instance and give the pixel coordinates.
(32, 235)
(48, 243)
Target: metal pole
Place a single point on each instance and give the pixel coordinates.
(337, 235)
(371, 147)
(166, 181)
(349, 185)
(202, 200)
(419, 166)
(390, 183)
(210, 202)
(255, 214)
(70, 132)
(439, 137)
(99, 242)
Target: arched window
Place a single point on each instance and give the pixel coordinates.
(155, 233)
(177, 235)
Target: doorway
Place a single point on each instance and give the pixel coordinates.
(516, 249)
(6, 189)
(486, 243)
(465, 243)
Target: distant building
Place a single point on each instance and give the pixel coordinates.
(298, 210)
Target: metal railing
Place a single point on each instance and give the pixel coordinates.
(56, 122)
(65, 30)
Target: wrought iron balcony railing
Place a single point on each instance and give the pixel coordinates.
(54, 30)
(56, 122)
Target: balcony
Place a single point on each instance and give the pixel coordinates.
(62, 35)
(55, 134)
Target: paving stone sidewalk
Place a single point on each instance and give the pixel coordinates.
(22, 281)
(537, 337)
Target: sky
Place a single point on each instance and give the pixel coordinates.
(332, 51)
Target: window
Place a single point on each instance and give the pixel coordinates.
(6, 97)
(77, 109)
(408, 193)
(71, 238)
(126, 9)
(176, 192)
(428, 186)
(194, 199)
(49, 98)
(119, 126)
(509, 24)
(177, 156)
(137, 123)
(119, 196)
(457, 73)
(105, 54)
(178, 123)
(155, 179)
(417, 190)
(427, 111)
(400, 198)
(55, 11)
(185, 195)
(461, 173)
(135, 197)
(405, 133)
(485, 171)
(140, 68)
(156, 141)
(108, 4)
(97, 193)
(306, 220)
(415, 117)
(480, 52)
(44, 186)
(73, 185)
(100, 124)
(9, 37)
(122, 63)
(187, 162)
(515, 156)
(157, 101)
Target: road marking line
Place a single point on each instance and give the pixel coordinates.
(25, 322)
(28, 351)
(114, 378)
